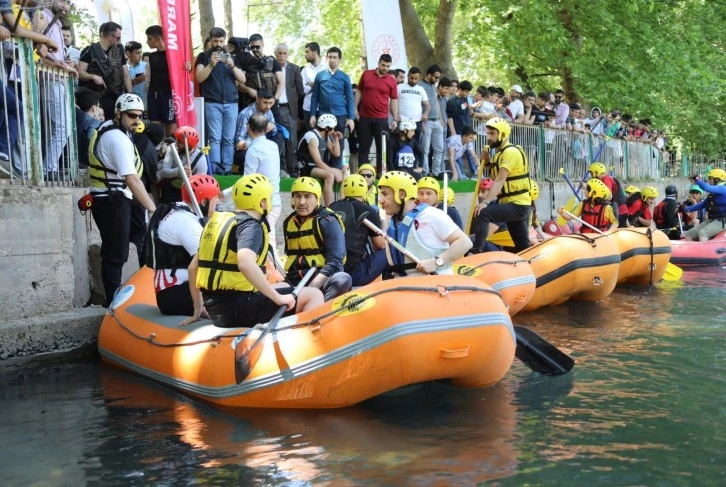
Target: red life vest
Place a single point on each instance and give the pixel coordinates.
(659, 214)
(595, 216)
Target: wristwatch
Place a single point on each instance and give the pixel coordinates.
(439, 261)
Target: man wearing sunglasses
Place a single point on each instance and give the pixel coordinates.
(102, 67)
(115, 170)
(261, 73)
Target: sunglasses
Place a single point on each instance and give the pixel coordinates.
(367, 176)
(254, 48)
(133, 116)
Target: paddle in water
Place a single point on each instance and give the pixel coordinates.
(248, 346)
(533, 350)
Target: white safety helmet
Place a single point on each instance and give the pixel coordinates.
(406, 124)
(327, 121)
(129, 101)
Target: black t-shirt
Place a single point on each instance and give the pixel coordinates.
(116, 58)
(541, 116)
(159, 68)
(250, 64)
(249, 235)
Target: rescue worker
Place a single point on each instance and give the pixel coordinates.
(314, 236)
(427, 232)
(315, 150)
(641, 215)
(665, 213)
(227, 274)
(450, 209)
(170, 181)
(369, 174)
(594, 209)
(366, 254)
(115, 170)
(428, 191)
(510, 171)
(172, 241)
(715, 204)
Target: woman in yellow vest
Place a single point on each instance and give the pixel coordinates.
(228, 272)
(511, 188)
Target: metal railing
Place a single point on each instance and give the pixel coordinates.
(549, 150)
(697, 163)
(38, 126)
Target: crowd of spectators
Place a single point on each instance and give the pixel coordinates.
(238, 79)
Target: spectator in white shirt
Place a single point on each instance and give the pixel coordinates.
(516, 107)
(263, 157)
(314, 66)
(413, 102)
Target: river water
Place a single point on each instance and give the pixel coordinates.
(644, 405)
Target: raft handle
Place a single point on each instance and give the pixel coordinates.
(459, 353)
(597, 281)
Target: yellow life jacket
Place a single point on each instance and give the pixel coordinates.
(517, 182)
(98, 171)
(218, 270)
(304, 241)
(372, 195)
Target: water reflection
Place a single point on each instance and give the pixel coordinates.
(428, 435)
(643, 406)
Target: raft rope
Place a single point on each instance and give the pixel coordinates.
(442, 291)
(652, 261)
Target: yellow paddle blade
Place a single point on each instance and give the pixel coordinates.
(571, 205)
(501, 238)
(672, 273)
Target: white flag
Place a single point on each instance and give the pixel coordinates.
(383, 32)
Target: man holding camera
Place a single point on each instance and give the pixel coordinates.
(261, 73)
(216, 74)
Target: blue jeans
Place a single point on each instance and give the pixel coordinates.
(9, 130)
(370, 268)
(221, 121)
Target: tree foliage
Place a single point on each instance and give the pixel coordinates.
(656, 59)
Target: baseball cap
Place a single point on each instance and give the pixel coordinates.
(518, 89)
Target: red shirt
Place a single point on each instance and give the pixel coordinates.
(376, 91)
(610, 183)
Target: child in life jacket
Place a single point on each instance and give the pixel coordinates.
(404, 152)
(594, 210)
(641, 211)
(632, 195)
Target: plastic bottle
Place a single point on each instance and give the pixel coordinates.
(346, 158)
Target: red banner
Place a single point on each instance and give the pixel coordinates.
(175, 21)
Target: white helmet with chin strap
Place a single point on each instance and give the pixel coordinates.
(327, 121)
(129, 101)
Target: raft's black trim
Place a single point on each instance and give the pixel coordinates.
(644, 251)
(578, 264)
(701, 261)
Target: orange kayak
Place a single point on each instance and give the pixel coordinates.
(638, 250)
(508, 274)
(577, 266)
(358, 346)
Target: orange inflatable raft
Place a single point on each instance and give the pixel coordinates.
(577, 266)
(378, 338)
(508, 274)
(644, 254)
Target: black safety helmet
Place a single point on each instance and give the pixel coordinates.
(671, 190)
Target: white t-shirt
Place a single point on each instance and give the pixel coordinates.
(308, 76)
(516, 108)
(263, 157)
(434, 227)
(410, 101)
(116, 151)
(179, 227)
